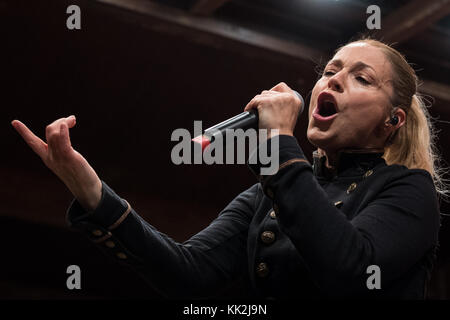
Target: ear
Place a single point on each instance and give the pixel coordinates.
(401, 118)
(401, 115)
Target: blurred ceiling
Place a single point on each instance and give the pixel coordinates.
(310, 29)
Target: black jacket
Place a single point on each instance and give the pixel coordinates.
(304, 232)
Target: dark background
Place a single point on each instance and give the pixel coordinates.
(131, 77)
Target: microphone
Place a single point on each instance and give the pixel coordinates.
(244, 121)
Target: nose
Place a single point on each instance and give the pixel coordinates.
(335, 83)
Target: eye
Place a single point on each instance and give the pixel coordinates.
(328, 73)
(362, 80)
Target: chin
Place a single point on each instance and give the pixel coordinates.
(320, 139)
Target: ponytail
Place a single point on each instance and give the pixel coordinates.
(413, 145)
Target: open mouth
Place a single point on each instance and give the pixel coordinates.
(326, 105)
(326, 109)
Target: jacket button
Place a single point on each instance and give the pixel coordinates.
(262, 270)
(267, 237)
(110, 244)
(272, 214)
(338, 204)
(97, 233)
(351, 187)
(121, 255)
(368, 173)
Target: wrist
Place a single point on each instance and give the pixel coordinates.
(87, 189)
(90, 197)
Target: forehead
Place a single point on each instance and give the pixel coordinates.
(367, 54)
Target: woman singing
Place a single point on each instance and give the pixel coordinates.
(361, 221)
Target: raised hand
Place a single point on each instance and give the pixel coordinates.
(69, 165)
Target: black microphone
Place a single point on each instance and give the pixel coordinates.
(244, 121)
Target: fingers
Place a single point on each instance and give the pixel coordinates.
(63, 145)
(58, 136)
(253, 103)
(267, 92)
(279, 88)
(54, 128)
(282, 87)
(35, 143)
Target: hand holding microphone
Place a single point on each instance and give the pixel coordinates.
(277, 108)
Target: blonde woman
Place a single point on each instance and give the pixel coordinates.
(361, 221)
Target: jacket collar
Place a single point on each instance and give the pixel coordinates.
(350, 162)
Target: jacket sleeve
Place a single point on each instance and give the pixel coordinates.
(394, 231)
(197, 268)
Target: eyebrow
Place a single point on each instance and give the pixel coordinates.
(357, 66)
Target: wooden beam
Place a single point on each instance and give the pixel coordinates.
(207, 7)
(214, 33)
(209, 30)
(308, 24)
(411, 19)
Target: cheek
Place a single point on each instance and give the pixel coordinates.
(364, 119)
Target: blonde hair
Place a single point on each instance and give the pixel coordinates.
(413, 144)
